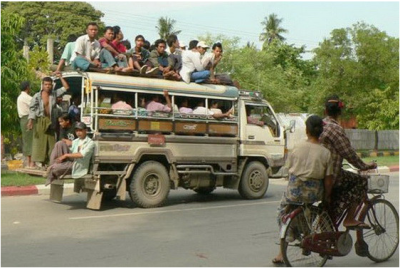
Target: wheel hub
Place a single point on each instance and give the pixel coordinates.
(151, 185)
(256, 181)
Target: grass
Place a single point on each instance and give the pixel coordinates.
(21, 179)
(383, 160)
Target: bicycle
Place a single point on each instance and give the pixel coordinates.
(309, 237)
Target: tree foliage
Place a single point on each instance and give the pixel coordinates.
(56, 20)
(166, 27)
(361, 65)
(14, 69)
(272, 29)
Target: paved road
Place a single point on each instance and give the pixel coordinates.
(191, 230)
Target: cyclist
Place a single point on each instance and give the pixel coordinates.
(349, 188)
(310, 172)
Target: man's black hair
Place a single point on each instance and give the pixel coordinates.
(126, 43)
(25, 85)
(47, 79)
(193, 44)
(217, 45)
(333, 105)
(92, 24)
(314, 125)
(65, 117)
(146, 44)
(139, 36)
(159, 41)
(108, 28)
(116, 30)
(171, 40)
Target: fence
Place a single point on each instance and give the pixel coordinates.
(361, 139)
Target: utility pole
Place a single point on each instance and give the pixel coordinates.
(26, 50)
(50, 49)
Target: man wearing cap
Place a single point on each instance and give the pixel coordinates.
(182, 45)
(75, 163)
(192, 67)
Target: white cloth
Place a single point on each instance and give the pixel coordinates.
(23, 102)
(208, 57)
(190, 62)
(309, 161)
(86, 48)
(202, 110)
(216, 110)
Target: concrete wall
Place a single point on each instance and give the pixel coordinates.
(388, 140)
(361, 139)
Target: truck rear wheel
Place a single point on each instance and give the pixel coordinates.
(150, 185)
(254, 181)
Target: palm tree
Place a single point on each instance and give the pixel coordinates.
(272, 29)
(166, 27)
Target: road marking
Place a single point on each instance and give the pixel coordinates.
(170, 211)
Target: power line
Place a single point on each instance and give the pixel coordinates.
(143, 21)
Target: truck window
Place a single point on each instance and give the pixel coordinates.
(262, 116)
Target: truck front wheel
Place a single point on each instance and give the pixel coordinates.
(254, 181)
(150, 185)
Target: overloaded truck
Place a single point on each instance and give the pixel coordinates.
(147, 153)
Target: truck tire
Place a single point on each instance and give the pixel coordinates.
(254, 181)
(150, 185)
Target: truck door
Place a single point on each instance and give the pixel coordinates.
(263, 134)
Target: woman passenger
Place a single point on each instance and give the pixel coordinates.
(310, 172)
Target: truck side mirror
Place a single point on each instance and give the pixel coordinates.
(292, 126)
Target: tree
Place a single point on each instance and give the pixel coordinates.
(361, 65)
(272, 29)
(52, 19)
(14, 69)
(166, 27)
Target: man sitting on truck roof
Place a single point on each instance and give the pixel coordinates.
(87, 50)
(77, 162)
(109, 56)
(66, 57)
(139, 55)
(192, 68)
(160, 59)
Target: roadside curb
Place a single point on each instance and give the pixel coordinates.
(377, 153)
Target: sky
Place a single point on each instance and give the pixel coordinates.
(308, 23)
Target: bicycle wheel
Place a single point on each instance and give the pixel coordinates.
(306, 222)
(383, 237)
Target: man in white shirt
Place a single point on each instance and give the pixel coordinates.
(23, 102)
(192, 67)
(86, 55)
(201, 110)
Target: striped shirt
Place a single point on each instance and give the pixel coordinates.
(335, 140)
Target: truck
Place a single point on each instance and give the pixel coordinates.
(149, 153)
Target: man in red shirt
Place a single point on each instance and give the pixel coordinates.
(109, 56)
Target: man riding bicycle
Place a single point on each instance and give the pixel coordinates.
(349, 188)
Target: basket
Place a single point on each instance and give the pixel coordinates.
(378, 184)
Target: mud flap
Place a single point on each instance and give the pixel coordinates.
(56, 190)
(94, 197)
(121, 189)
